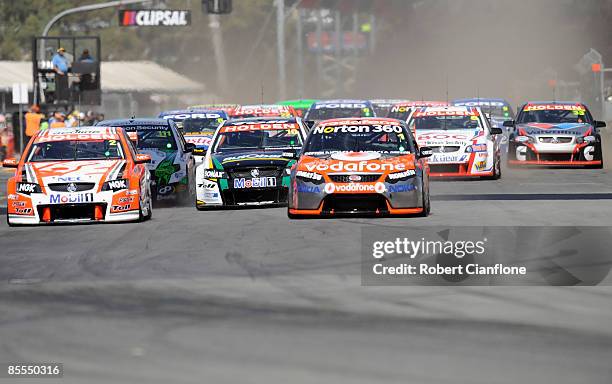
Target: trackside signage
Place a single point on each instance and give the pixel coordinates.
(154, 18)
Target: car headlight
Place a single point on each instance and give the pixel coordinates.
(400, 176)
(586, 139)
(524, 139)
(310, 177)
(115, 185)
(469, 149)
(214, 174)
(27, 188)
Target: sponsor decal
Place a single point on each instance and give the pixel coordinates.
(27, 188)
(308, 189)
(23, 211)
(117, 184)
(260, 127)
(154, 18)
(479, 147)
(120, 208)
(437, 158)
(445, 113)
(441, 136)
(76, 136)
(126, 199)
(355, 156)
(68, 179)
(18, 204)
(339, 105)
(357, 166)
(309, 175)
(184, 116)
(367, 121)
(211, 195)
(257, 182)
(249, 157)
(402, 175)
(481, 103)
(355, 187)
(396, 188)
(481, 165)
(12, 196)
(553, 107)
(387, 128)
(57, 198)
(165, 190)
(213, 174)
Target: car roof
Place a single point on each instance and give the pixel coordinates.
(554, 102)
(343, 101)
(451, 108)
(138, 121)
(480, 99)
(109, 131)
(192, 111)
(263, 119)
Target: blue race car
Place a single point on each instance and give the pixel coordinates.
(197, 125)
(336, 109)
(498, 110)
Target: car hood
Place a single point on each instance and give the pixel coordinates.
(438, 137)
(251, 158)
(359, 162)
(575, 129)
(84, 171)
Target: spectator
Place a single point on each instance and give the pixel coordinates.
(32, 121)
(61, 67)
(86, 57)
(58, 120)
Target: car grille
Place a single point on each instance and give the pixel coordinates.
(444, 168)
(445, 149)
(263, 172)
(362, 203)
(71, 211)
(368, 178)
(255, 195)
(63, 187)
(555, 140)
(555, 157)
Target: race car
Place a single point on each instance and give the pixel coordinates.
(227, 108)
(498, 111)
(262, 110)
(197, 125)
(552, 133)
(300, 106)
(70, 175)
(362, 166)
(402, 110)
(172, 164)
(383, 106)
(335, 109)
(463, 142)
(248, 163)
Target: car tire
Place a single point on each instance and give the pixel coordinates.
(497, 172)
(426, 205)
(149, 214)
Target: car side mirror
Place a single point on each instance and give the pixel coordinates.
(425, 152)
(496, 131)
(142, 158)
(509, 123)
(10, 163)
(600, 124)
(189, 147)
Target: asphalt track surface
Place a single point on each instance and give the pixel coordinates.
(250, 296)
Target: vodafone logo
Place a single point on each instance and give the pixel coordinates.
(355, 188)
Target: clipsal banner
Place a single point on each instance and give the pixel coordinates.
(154, 18)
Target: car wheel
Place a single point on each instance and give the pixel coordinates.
(426, 205)
(147, 213)
(497, 172)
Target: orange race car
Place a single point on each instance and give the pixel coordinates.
(360, 166)
(79, 174)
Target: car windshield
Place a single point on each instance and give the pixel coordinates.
(260, 139)
(554, 116)
(445, 122)
(400, 113)
(497, 111)
(76, 150)
(157, 137)
(366, 139)
(325, 113)
(194, 126)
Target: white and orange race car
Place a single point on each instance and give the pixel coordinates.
(77, 175)
(463, 142)
(363, 166)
